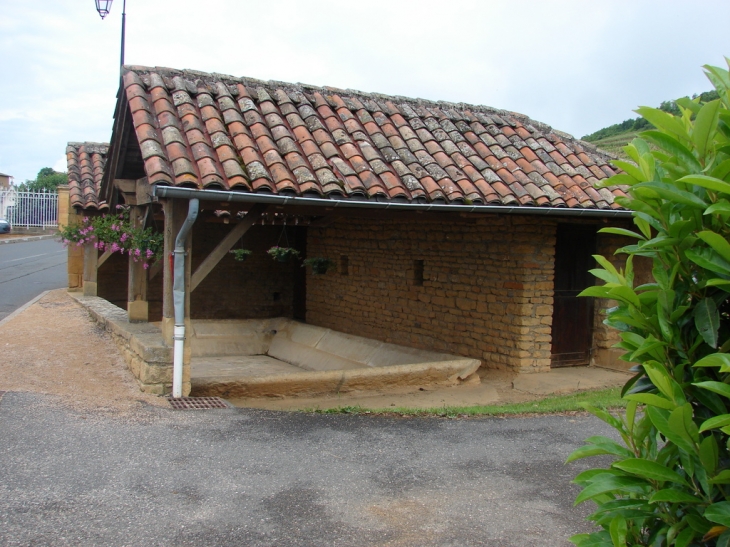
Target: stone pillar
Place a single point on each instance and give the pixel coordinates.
(75, 258)
(64, 209)
(175, 213)
(137, 305)
(91, 259)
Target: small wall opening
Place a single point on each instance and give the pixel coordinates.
(418, 273)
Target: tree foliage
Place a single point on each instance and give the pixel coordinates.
(642, 124)
(47, 180)
(670, 477)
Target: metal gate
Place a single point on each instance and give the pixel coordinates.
(29, 209)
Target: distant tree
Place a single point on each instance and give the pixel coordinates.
(47, 180)
(641, 124)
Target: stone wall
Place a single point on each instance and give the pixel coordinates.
(258, 288)
(479, 287)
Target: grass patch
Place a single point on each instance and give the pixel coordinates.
(604, 398)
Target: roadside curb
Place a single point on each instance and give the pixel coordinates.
(23, 307)
(26, 239)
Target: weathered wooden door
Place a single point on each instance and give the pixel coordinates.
(573, 316)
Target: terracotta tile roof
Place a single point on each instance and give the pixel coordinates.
(85, 161)
(211, 131)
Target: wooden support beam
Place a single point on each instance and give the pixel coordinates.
(103, 258)
(155, 269)
(217, 254)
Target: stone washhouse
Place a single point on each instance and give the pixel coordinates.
(460, 235)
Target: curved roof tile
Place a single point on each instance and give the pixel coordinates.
(222, 131)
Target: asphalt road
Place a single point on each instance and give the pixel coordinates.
(28, 269)
(242, 477)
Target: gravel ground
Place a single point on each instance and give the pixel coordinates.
(87, 459)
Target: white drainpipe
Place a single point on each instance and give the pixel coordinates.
(178, 297)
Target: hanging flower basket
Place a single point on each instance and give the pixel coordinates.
(319, 265)
(240, 255)
(283, 254)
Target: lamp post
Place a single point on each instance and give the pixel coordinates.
(103, 7)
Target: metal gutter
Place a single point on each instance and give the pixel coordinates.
(228, 196)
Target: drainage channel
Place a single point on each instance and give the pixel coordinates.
(193, 403)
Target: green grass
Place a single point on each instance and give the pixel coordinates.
(604, 398)
(614, 143)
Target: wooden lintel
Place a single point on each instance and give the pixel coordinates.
(103, 258)
(126, 186)
(225, 245)
(144, 191)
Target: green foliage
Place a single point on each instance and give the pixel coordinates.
(319, 264)
(47, 180)
(668, 483)
(614, 137)
(282, 254)
(240, 255)
(115, 233)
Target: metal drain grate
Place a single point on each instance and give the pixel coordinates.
(197, 403)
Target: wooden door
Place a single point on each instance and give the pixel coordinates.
(573, 316)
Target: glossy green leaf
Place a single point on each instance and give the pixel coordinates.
(618, 530)
(660, 419)
(673, 194)
(611, 483)
(620, 232)
(718, 243)
(707, 321)
(673, 495)
(721, 360)
(710, 183)
(663, 120)
(709, 260)
(717, 387)
(723, 477)
(652, 400)
(709, 454)
(715, 422)
(719, 513)
(684, 156)
(633, 171)
(649, 470)
(705, 126)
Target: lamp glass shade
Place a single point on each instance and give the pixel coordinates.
(103, 7)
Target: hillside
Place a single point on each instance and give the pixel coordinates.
(614, 137)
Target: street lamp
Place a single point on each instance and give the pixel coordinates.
(103, 7)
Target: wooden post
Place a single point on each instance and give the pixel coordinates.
(91, 258)
(137, 305)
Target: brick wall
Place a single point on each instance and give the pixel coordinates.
(486, 290)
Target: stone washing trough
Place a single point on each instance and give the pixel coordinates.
(280, 357)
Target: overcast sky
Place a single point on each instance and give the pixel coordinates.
(576, 65)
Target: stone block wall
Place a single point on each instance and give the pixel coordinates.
(479, 287)
(258, 288)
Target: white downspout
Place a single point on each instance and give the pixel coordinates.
(178, 297)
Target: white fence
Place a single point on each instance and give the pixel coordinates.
(36, 209)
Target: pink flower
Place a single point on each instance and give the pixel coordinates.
(146, 266)
(114, 248)
(124, 238)
(137, 252)
(149, 253)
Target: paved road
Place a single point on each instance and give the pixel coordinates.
(28, 269)
(242, 477)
